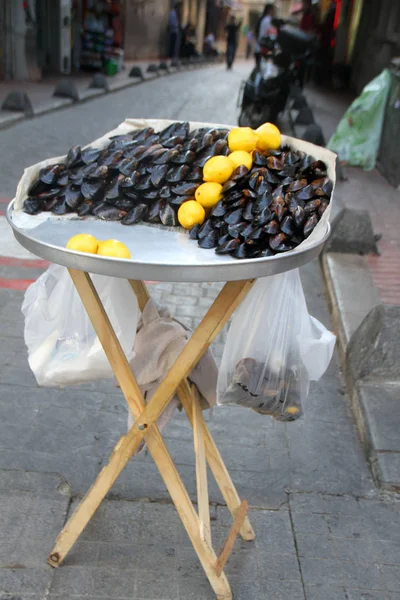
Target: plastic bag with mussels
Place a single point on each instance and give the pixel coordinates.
(274, 348)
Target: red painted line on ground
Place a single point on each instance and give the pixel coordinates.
(15, 284)
(5, 200)
(8, 261)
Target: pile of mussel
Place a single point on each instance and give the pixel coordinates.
(146, 175)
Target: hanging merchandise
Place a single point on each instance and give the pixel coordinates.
(358, 135)
(274, 348)
(101, 37)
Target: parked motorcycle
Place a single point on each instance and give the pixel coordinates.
(265, 94)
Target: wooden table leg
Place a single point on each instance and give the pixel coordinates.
(201, 469)
(146, 417)
(217, 465)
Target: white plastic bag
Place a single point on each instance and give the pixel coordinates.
(274, 348)
(62, 345)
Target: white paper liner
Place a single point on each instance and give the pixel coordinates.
(25, 221)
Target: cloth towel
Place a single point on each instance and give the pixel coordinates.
(159, 340)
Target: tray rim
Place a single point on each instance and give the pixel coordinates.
(248, 268)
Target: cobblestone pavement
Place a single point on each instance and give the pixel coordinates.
(323, 530)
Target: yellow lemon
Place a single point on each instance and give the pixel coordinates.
(208, 194)
(269, 137)
(218, 169)
(240, 157)
(83, 242)
(191, 213)
(242, 138)
(292, 410)
(113, 248)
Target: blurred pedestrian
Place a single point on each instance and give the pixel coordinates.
(327, 44)
(264, 26)
(173, 32)
(232, 30)
(308, 22)
(209, 45)
(250, 42)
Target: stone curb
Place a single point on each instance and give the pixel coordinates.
(352, 295)
(57, 103)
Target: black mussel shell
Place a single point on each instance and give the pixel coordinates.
(249, 193)
(248, 212)
(62, 180)
(306, 193)
(99, 172)
(143, 134)
(263, 217)
(90, 155)
(185, 189)
(284, 247)
(127, 166)
(32, 206)
(220, 148)
(177, 174)
(272, 227)
(167, 156)
(259, 159)
(144, 184)
(73, 196)
(219, 209)
(85, 208)
(48, 204)
(166, 194)
(37, 187)
(275, 163)
(48, 194)
(202, 158)
(298, 216)
(124, 204)
(136, 214)
(205, 229)
(228, 185)
(150, 194)
(310, 225)
(175, 129)
(297, 185)
(240, 251)
(288, 226)
(209, 241)
(152, 152)
(184, 158)
(227, 246)
(127, 182)
(73, 157)
(262, 202)
(311, 206)
(191, 144)
(60, 208)
(49, 175)
(322, 208)
(108, 213)
(112, 190)
(91, 190)
(167, 215)
(276, 240)
(239, 173)
(154, 212)
(113, 160)
(194, 232)
(233, 217)
(232, 196)
(173, 141)
(158, 174)
(235, 230)
(195, 174)
(272, 178)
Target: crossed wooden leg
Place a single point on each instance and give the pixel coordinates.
(197, 526)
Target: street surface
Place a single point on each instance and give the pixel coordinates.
(324, 532)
